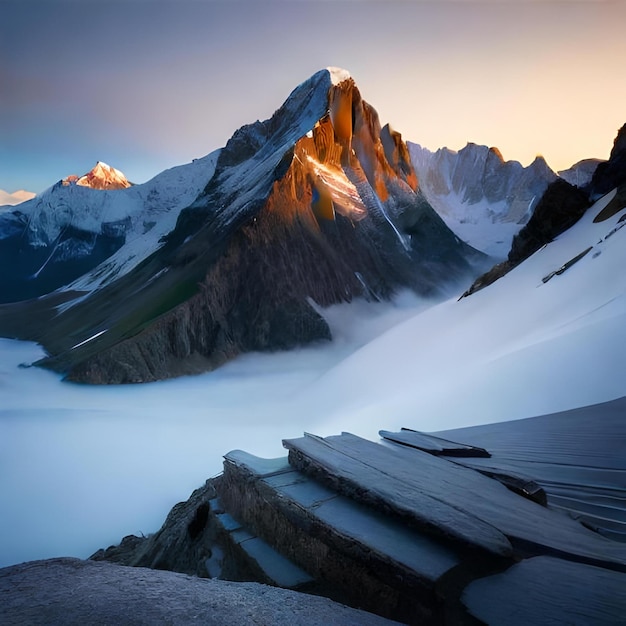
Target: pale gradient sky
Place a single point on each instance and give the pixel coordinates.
(144, 84)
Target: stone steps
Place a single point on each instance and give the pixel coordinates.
(273, 566)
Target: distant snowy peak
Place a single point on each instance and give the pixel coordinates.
(84, 236)
(481, 197)
(102, 176)
(17, 197)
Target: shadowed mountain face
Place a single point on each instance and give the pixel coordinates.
(318, 204)
(611, 173)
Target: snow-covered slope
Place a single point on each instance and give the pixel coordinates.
(548, 336)
(518, 348)
(484, 199)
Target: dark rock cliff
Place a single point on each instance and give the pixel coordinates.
(561, 206)
(611, 173)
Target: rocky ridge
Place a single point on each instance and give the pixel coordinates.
(611, 173)
(560, 207)
(581, 173)
(73, 592)
(482, 197)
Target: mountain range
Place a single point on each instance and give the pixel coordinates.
(237, 251)
(10, 199)
(482, 197)
(317, 205)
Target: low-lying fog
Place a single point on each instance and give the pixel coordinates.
(82, 466)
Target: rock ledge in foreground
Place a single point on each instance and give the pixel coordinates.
(71, 591)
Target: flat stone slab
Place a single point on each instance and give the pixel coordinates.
(278, 569)
(367, 471)
(373, 531)
(433, 444)
(545, 590)
(452, 449)
(448, 498)
(577, 456)
(73, 592)
(258, 465)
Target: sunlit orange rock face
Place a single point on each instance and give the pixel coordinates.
(102, 176)
(346, 149)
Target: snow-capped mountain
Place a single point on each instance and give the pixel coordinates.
(11, 199)
(521, 347)
(484, 199)
(102, 176)
(317, 204)
(548, 336)
(79, 223)
(561, 206)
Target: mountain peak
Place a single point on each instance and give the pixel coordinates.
(101, 176)
(338, 74)
(496, 152)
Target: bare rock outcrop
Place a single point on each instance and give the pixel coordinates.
(611, 173)
(74, 592)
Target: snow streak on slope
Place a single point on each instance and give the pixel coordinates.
(519, 348)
